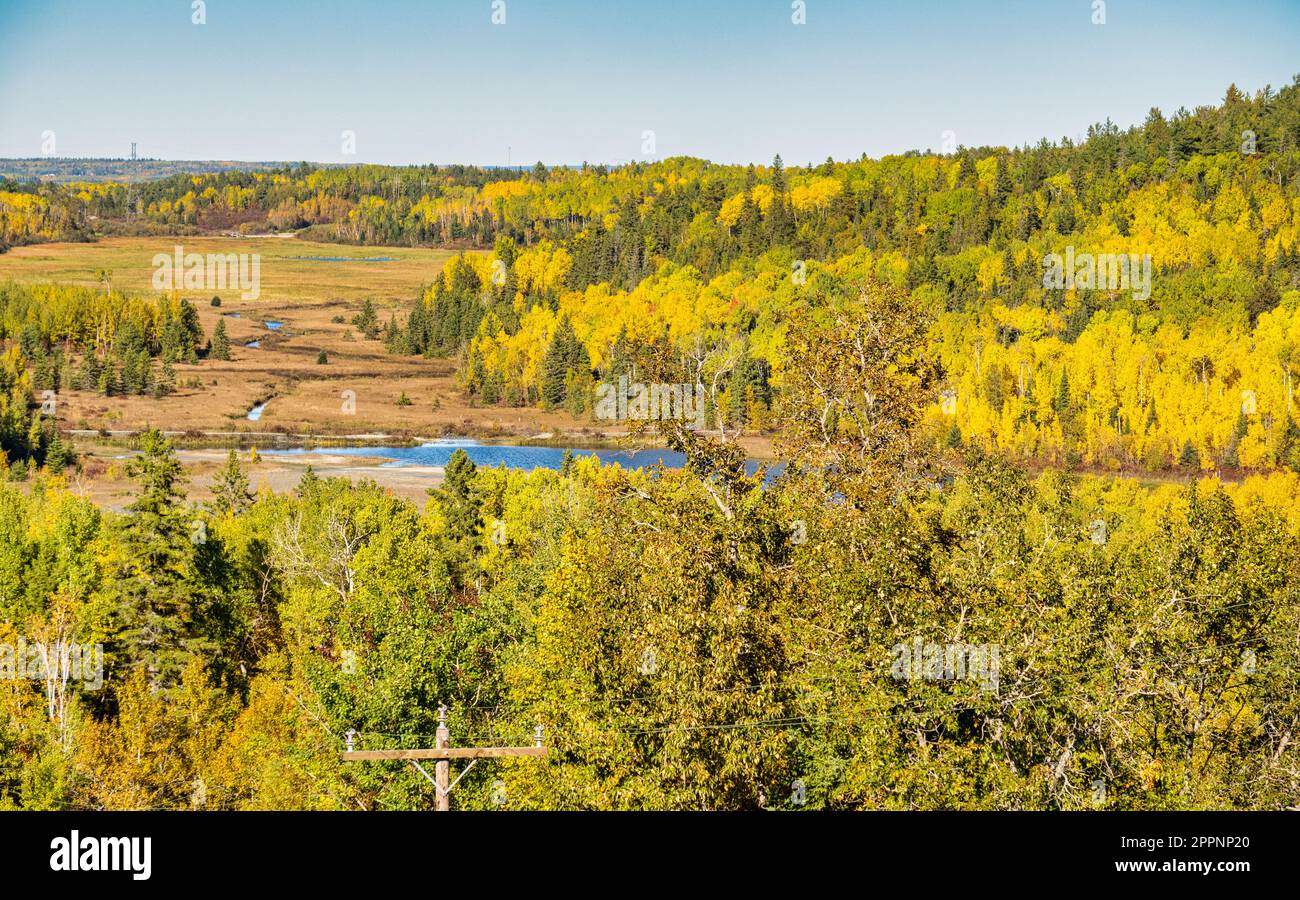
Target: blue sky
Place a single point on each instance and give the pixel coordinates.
(571, 80)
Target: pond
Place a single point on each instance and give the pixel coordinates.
(256, 412)
(437, 453)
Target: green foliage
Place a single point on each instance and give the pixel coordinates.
(367, 320)
(160, 599)
(460, 507)
(566, 369)
(220, 342)
(230, 491)
(688, 640)
(707, 638)
(118, 336)
(19, 425)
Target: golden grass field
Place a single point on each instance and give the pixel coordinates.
(356, 393)
(286, 275)
(306, 295)
(302, 396)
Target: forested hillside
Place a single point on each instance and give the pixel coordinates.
(687, 640)
(591, 269)
(902, 618)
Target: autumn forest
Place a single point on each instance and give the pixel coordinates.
(1028, 536)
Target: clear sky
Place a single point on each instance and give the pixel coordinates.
(570, 80)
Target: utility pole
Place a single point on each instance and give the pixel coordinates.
(443, 752)
(443, 768)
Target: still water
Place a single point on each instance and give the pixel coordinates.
(437, 453)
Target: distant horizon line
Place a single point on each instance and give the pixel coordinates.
(1078, 139)
(524, 167)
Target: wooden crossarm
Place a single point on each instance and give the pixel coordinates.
(443, 753)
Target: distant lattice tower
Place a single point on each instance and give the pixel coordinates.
(130, 202)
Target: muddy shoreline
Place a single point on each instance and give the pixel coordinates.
(102, 476)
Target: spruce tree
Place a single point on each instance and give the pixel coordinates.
(88, 377)
(58, 454)
(555, 365)
(220, 341)
(460, 507)
(108, 384)
(230, 490)
(159, 597)
(367, 320)
(307, 484)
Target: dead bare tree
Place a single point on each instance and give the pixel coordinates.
(715, 361)
(54, 651)
(329, 561)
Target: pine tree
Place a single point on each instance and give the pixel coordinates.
(20, 423)
(107, 382)
(88, 377)
(620, 358)
(555, 365)
(307, 484)
(778, 175)
(220, 342)
(367, 320)
(166, 382)
(751, 227)
(230, 489)
(1061, 402)
(460, 507)
(394, 338)
(58, 454)
(493, 388)
(1001, 183)
(159, 599)
(576, 356)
